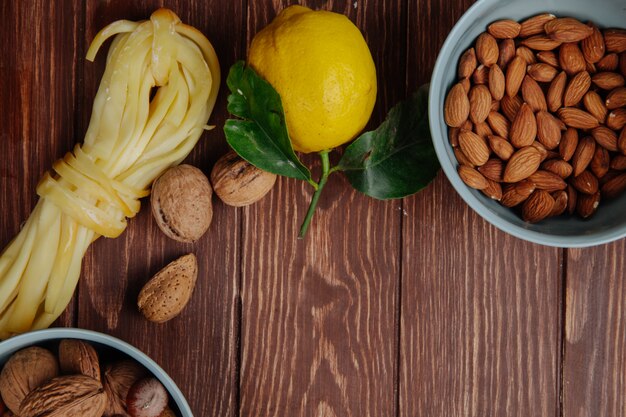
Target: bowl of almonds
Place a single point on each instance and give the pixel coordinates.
(528, 114)
(74, 372)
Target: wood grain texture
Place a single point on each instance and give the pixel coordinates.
(319, 323)
(199, 348)
(480, 310)
(38, 102)
(594, 362)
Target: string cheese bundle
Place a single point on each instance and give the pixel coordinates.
(155, 98)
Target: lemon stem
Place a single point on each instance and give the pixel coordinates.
(316, 196)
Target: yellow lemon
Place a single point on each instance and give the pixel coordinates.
(323, 70)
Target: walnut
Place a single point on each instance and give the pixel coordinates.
(24, 371)
(181, 203)
(239, 183)
(117, 380)
(78, 357)
(72, 395)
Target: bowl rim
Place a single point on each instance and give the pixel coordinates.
(38, 336)
(440, 143)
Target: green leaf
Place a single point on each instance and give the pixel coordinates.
(260, 135)
(398, 158)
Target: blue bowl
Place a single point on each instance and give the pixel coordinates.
(609, 222)
(98, 340)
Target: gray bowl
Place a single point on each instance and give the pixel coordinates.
(609, 223)
(99, 340)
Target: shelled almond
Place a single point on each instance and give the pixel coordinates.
(538, 116)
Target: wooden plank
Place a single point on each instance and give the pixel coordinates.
(37, 101)
(319, 321)
(480, 310)
(199, 348)
(594, 362)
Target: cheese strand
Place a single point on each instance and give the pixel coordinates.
(157, 92)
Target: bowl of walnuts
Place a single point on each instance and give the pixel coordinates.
(528, 113)
(78, 372)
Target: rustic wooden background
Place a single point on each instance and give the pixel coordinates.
(403, 308)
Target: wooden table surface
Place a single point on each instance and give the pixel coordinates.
(415, 307)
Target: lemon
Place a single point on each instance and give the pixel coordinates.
(323, 70)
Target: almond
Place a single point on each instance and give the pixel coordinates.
(583, 154)
(169, 291)
(616, 98)
(560, 203)
(504, 29)
(461, 158)
(577, 118)
(609, 176)
(474, 147)
(467, 63)
(541, 43)
(608, 80)
(486, 49)
(548, 130)
(510, 105)
(615, 40)
(515, 73)
(493, 190)
(591, 68)
(542, 72)
(614, 187)
(618, 162)
(501, 147)
(567, 29)
(616, 120)
(480, 103)
(576, 89)
(585, 183)
(537, 207)
(522, 164)
(605, 137)
(482, 129)
(600, 162)
(572, 197)
(548, 57)
(622, 63)
(535, 25)
(609, 63)
(548, 181)
(495, 105)
(571, 58)
(481, 75)
(507, 52)
(472, 178)
(568, 144)
(524, 128)
(533, 95)
(457, 106)
(496, 82)
(492, 169)
(558, 167)
(594, 105)
(514, 194)
(593, 45)
(542, 150)
(621, 141)
(526, 54)
(499, 124)
(556, 91)
(587, 204)
(467, 85)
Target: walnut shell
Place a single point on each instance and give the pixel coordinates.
(239, 183)
(78, 357)
(181, 203)
(117, 380)
(169, 291)
(66, 396)
(26, 370)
